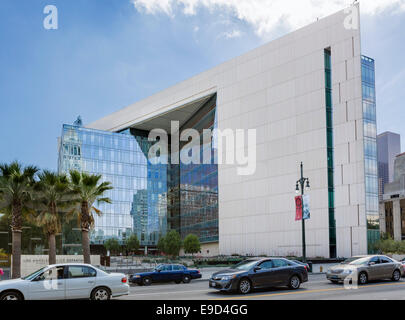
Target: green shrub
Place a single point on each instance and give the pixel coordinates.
(390, 246)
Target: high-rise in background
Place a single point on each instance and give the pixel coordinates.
(388, 147)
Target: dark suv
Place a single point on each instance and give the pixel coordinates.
(260, 273)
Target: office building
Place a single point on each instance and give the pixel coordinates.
(309, 97)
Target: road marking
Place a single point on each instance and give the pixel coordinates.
(309, 291)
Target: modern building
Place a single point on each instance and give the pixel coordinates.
(309, 96)
(392, 208)
(388, 147)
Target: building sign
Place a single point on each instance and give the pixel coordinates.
(298, 208)
(306, 214)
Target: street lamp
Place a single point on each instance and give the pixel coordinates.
(301, 184)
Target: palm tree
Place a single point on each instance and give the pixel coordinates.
(53, 199)
(16, 188)
(88, 189)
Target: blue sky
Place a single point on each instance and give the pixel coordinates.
(107, 54)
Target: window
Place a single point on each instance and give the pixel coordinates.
(178, 268)
(167, 267)
(266, 265)
(53, 273)
(81, 272)
(279, 263)
(385, 260)
(376, 260)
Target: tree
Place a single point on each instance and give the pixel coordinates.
(172, 243)
(161, 245)
(132, 243)
(52, 200)
(112, 245)
(88, 189)
(192, 244)
(16, 189)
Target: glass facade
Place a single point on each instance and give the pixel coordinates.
(139, 197)
(194, 196)
(148, 199)
(370, 148)
(330, 153)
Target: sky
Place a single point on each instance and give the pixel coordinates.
(107, 54)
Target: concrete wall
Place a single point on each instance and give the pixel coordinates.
(31, 263)
(279, 90)
(207, 250)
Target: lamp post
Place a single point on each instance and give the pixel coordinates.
(299, 187)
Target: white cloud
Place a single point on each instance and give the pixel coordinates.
(231, 34)
(266, 15)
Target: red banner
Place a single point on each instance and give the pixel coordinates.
(298, 208)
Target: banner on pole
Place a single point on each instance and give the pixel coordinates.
(306, 214)
(298, 208)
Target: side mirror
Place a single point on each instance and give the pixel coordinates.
(257, 269)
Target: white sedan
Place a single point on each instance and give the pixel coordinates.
(66, 281)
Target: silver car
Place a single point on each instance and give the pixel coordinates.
(66, 281)
(366, 268)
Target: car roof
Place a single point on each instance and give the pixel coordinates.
(70, 264)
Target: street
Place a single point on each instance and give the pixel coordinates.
(317, 288)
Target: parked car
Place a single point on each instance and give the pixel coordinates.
(403, 264)
(65, 281)
(374, 267)
(259, 273)
(166, 273)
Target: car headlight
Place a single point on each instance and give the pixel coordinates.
(137, 276)
(227, 278)
(347, 271)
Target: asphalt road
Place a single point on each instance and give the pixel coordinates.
(317, 288)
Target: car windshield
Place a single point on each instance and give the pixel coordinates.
(245, 265)
(360, 261)
(159, 267)
(34, 274)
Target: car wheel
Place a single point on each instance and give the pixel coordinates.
(186, 279)
(245, 286)
(295, 282)
(363, 279)
(11, 295)
(396, 276)
(100, 293)
(147, 281)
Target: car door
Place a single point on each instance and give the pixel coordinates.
(50, 285)
(166, 272)
(281, 271)
(375, 269)
(177, 272)
(261, 277)
(387, 267)
(80, 281)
